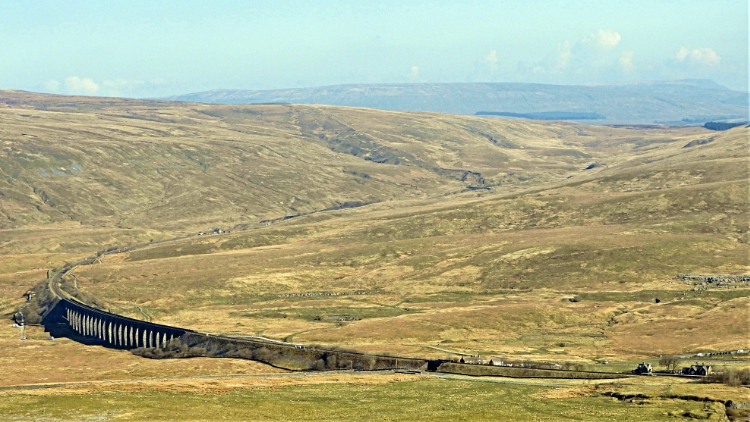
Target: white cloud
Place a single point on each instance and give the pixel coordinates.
(414, 71)
(626, 61)
(491, 57)
(491, 61)
(603, 56)
(698, 56)
(682, 54)
(706, 56)
(590, 58)
(85, 86)
(607, 39)
(564, 53)
(75, 85)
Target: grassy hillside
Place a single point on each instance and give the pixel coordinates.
(540, 240)
(172, 166)
(347, 397)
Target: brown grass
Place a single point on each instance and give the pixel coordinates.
(38, 360)
(488, 272)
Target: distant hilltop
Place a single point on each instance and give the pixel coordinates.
(685, 102)
(545, 115)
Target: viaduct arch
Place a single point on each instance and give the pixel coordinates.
(108, 329)
(98, 326)
(66, 316)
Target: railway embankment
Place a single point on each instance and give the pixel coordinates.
(288, 356)
(524, 372)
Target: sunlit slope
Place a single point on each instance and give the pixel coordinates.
(175, 166)
(497, 269)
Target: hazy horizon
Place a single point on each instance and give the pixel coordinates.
(696, 81)
(138, 49)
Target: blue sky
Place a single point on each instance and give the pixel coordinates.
(152, 48)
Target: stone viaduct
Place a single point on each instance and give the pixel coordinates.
(109, 329)
(65, 314)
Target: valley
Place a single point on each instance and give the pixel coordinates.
(415, 234)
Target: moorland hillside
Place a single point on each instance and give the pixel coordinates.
(579, 264)
(172, 166)
(534, 239)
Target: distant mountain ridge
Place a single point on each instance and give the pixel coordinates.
(670, 102)
(545, 115)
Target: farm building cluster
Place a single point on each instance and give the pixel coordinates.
(701, 370)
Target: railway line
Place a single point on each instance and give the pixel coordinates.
(83, 322)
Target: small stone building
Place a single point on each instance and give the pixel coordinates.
(643, 368)
(700, 370)
(472, 360)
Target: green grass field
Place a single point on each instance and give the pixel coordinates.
(426, 400)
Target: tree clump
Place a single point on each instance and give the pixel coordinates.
(39, 299)
(733, 377)
(669, 362)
